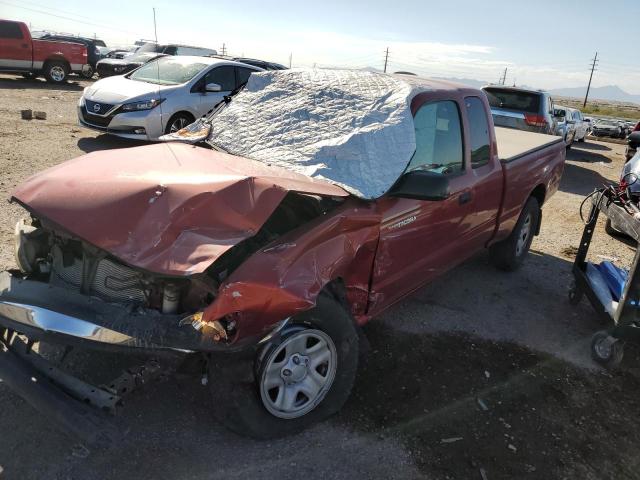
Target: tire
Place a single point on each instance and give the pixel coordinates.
(87, 73)
(178, 121)
(606, 350)
(56, 72)
(244, 395)
(509, 254)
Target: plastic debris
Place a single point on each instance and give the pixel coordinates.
(483, 405)
(483, 474)
(451, 440)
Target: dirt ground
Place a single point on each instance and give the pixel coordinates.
(481, 375)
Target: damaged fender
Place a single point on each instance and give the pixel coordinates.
(284, 279)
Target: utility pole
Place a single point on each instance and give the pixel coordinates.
(593, 67)
(224, 49)
(386, 59)
(504, 76)
(155, 30)
(290, 57)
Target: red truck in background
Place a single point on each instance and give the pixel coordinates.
(20, 53)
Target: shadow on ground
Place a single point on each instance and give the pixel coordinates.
(461, 405)
(591, 146)
(578, 154)
(581, 181)
(72, 85)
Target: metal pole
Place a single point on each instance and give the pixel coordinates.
(593, 67)
(386, 59)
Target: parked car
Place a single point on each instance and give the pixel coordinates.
(260, 63)
(607, 128)
(160, 97)
(633, 142)
(589, 123)
(271, 248)
(93, 49)
(117, 53)
(19, 53)
(580, 125)
(144, 54)
(522, 109)
(565, 126)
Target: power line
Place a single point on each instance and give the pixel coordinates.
(593, 67)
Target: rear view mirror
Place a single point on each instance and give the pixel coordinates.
(213, 87)
(421, 185)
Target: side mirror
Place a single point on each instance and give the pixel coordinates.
(421, 185)
(212, 87)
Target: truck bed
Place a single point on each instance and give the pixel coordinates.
(513, 144)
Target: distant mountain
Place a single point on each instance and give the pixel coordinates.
(465, 81)
(610, 92)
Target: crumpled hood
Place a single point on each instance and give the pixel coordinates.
(169, 208)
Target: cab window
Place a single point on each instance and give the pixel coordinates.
(479, 132)
(10, 30)
(438, 139)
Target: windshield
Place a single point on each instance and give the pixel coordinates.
(168, 71)
(608, 122)
(149, 47)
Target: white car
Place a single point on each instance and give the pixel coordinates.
(160, 97)
(581, 125)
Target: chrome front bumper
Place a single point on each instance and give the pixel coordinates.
(50, 321)
(44, 312)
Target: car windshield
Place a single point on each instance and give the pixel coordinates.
(168, 71)
(610, 123)
(149, 47)
(513, 99)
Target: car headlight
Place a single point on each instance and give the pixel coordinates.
(142, 105)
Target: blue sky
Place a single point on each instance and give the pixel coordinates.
(545, 44)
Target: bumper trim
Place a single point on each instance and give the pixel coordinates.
(51, 321)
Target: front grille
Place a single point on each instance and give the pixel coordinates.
(112, 281)
(97, 108)
(96, 119)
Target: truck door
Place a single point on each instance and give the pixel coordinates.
(484, 177)
(15, 47)
(421, 239)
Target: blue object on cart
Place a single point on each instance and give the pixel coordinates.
(615, 278)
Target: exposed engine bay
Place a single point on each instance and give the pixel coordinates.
(46, 253)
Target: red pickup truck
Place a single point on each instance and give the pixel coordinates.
(324, 198)
(19, 53)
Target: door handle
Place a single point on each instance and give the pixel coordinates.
(464, 197)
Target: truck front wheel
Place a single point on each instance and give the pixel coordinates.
(509, 254)
(56, 72)
(299, 377)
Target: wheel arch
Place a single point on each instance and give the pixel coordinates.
(57, 58)
(334, 257)
(539, 193)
